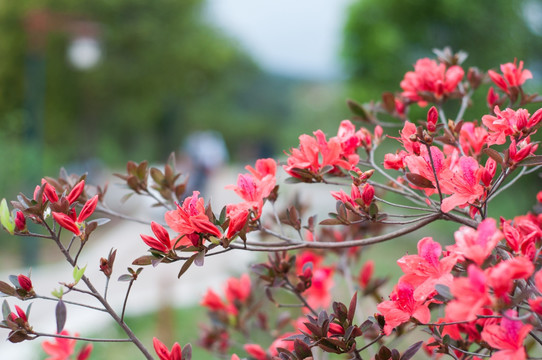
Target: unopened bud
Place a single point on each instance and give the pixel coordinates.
(367, 174)
(20, 221)
(24, 282)
(368, 194)
(474, 77)
(413, 138)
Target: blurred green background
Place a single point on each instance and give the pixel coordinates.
(165, 70)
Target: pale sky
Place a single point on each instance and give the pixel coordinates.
(299, 38)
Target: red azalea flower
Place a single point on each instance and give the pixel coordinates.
(402, 306)
(238, 215)
(512, 76)
(425, 270)
(190, 218)
(430, 77)
(508, 337)
(60, 348)
(478, 244)
(256, 351)
(238, 289)
(73, 224)
(162, 242)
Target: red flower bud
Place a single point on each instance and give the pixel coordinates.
(88, 209)
(76, 192)
(336, 329)
(539, 196)
(20, 221)
(24, 282)
(368, 194)
(492, 98)
(50, 192)
(432, 118)
(67, 223)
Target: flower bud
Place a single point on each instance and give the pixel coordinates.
(20, 221)
(24, 282)
(368, 194)
(432, 118)
(336, 329)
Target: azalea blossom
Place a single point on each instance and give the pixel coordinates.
(471, 295)
(190, 218)
(76, 224)
(425, 270)
(238, 289)
(366, 273)
(430, 77)
(62, 348)
(507, 337)
(465, 184)
(478, 244)
(402, 306)
(472, 138)
(238, 215)
(501, 277)
(512, 76)
(162, 242)
(315, 153)
(256, 351)
(509, 122)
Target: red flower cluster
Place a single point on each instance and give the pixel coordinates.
(430, 81)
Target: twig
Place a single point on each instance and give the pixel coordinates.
(38, 334)
(343, 244)
(126, 299)
(67, 302)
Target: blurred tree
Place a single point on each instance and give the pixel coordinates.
(384, 38)
(163, 73)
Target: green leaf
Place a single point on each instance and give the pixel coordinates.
(58, 293)
(78, 273)
(5, 217)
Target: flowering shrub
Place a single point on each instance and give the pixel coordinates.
(480, 297)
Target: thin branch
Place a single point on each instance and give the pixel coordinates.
(292, 289)
(29, 234)
(97, 295)
(434, 171)
(38, 334)
(108, 211)
(126, 299)
(402, 206)
(406, 221)
(387, 176)
(372, 342)
(67, 302)
(510, 183)
(344, 244)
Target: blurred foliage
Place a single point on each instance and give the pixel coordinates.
(164, 72)
(384, 38)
